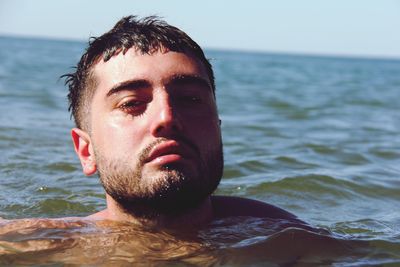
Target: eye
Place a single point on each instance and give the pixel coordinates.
(190, 99)
(133, 107)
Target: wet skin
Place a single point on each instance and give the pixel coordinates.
(154, 116)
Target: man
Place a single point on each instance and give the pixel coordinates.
(143, 100)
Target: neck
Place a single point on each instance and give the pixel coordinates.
(144, 216)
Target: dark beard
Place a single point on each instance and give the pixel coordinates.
(174, 199)
(172, 193)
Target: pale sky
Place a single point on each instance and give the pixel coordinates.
(335, 27)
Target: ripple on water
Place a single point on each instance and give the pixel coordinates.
(321, 149)
(308, 187)
(62, 167)
(293, 163)
(385, 153)
(231, 241)
(59, 207)
(366, 229)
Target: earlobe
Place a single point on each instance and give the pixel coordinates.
(84, 150)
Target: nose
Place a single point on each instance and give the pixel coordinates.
(166, 120)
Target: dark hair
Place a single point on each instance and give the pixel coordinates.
(147, 35)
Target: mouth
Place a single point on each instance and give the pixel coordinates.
(167, 152)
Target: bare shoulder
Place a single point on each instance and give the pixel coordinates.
(225, 206)
(101, 215)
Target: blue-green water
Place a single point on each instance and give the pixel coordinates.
(318, 136)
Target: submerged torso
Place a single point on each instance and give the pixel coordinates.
(237, 239)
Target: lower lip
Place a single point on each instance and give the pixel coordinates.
(166, 159)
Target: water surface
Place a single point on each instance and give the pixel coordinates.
(318, 136)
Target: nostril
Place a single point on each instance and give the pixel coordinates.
(166, 128)
(159, 129)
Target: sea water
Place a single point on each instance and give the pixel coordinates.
(318, 136)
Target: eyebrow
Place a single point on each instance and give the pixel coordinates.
(188, 79)
(177, 79)
(130, 85)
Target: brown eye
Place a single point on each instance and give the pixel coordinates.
(190, 99)
(133, 107)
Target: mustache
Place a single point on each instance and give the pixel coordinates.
(144, 154)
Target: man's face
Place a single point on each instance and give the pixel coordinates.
(155, 129)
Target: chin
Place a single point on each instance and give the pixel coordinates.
(169, 175)
(169, 191)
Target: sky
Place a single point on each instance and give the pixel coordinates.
(369, 28)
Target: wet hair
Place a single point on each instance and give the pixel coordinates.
(147, 35)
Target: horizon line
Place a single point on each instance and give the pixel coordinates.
(227, 49)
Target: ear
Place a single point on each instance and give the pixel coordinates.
(84, 150)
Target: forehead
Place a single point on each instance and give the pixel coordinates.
(154, 67)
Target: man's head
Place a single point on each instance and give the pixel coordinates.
(147, 36)
(144, 103)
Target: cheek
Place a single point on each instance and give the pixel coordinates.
(204, 123)
(205, 130)
(117, 135)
